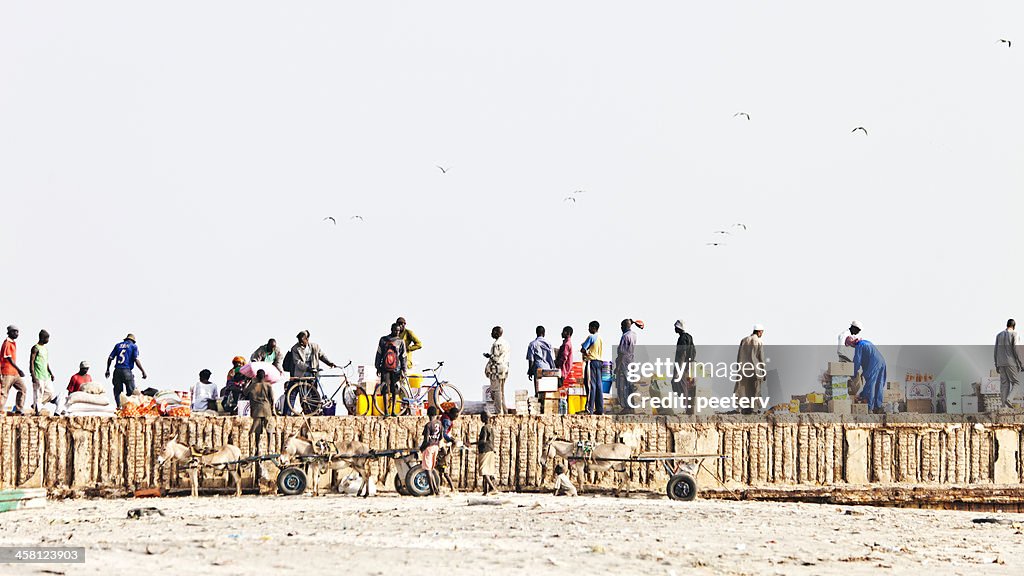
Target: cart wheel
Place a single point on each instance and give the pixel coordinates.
(291, 481)
(400, 487)
(682, 487)
(418, 483)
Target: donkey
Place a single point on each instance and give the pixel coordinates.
(297, 446)
(219, 460)
(600, 458)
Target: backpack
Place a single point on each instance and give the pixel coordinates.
(289, 362)
(390, 360)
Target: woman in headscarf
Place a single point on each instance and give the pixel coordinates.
(682, 380)
(625, 356)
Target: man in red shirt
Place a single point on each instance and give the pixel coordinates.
(80, 378)
(10, 374)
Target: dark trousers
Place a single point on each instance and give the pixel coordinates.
(124, 381)
(595, 393)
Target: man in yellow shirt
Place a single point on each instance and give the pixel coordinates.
(410, 339)
(593, 353)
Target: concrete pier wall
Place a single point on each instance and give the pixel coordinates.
(119, 454)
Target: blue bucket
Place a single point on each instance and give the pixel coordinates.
(606, 385)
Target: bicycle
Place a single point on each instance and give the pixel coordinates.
(440, 393)
(305, 395)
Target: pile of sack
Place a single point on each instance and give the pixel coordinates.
(160, 403)
(91, 400)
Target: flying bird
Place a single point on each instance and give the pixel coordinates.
(744, 114)
(715, 244)
(865, 130)
(357, 217)
(443, 169)
(720, 232)
(1007, 42)
(569, 199)
(331, 218)
(575, 192)
(740, 225)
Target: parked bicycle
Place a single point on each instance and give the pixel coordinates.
(305, 396)
(438, 392)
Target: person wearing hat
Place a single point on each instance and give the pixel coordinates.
(844, 352)
(750, 357)
(42, 375)
(124, 356)
(868, 364)
(78, 381)
(686, 352)
(10, 374)
(236, 368)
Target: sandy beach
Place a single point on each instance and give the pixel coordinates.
(511, 534)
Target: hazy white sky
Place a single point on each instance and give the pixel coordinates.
(164, 169)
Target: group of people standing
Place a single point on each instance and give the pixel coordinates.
(121, 364)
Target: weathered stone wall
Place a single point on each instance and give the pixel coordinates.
(773, 451)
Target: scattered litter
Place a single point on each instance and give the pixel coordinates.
(597, 549)
(136, 513)
(992, 521)
(486, 502)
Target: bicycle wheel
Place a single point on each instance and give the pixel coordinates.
(445, 396)
(304, 399)
(400, 402)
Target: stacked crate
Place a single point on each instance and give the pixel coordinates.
(837, 392)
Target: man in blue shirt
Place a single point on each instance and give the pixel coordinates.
(539, 355)
(125, 356)
(868, 362)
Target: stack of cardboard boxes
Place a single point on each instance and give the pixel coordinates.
(837, 393)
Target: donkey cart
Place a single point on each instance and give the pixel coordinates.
(682, 469)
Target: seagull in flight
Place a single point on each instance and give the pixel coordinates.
(357, 217)
(720, 232)
(443, 169)
(331, 218)
(865, 130)
(569, 199)
(740, 225)
(744, 114)
(715, 244)
(1008, 43)
(575, 192)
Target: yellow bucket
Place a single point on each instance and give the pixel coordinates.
(362, 405)
(577, 403)
(415, 380)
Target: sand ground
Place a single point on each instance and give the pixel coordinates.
(515, 533)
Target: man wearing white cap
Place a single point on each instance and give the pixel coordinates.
(751, 360)
(844, 352)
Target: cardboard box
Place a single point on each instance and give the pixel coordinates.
(794, 406)
(894, 387)
(953, 389)
(954, 405)
(798, 398)
(840, 380)
(843, 406)
(892, 396)
(989, 385)
(969, 404)
(808, 408)
(920, 406)
(839, 397)
(840, 369)
(859, 408)
(542, 385)
(815, 398)
(919, 391)
(577, 391)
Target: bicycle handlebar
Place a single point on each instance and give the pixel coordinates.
(435, 369)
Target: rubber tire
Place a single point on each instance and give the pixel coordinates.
(399, 487)
(400, 404)
(291, 481)
(416, 481)
(350, 399)
(452, 391)
(316, 410)
(682, 487)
